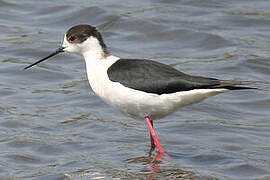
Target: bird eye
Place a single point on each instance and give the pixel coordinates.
(72, 39)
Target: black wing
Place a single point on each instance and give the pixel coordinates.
(153, 77)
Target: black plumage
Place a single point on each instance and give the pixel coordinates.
(154, 77)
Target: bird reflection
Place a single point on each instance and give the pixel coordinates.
(160, 167)
(154, 160)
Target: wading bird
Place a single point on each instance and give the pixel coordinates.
(139, 88)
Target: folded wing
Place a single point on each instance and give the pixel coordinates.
(154, 77)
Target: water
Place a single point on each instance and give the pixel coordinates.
(52, 126)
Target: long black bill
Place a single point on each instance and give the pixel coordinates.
(59, 50)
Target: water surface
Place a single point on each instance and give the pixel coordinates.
(52, 126)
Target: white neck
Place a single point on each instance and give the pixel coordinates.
(92, 49)
(93, 56)
(93, 59)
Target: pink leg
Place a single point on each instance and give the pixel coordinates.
(154, 135)
(153, 146)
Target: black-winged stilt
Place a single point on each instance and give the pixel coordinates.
(139, 88)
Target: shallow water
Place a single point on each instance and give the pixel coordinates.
(52, 126)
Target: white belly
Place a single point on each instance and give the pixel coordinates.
(139, 104)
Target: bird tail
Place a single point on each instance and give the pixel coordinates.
(237, 85)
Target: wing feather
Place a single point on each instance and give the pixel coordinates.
(154, 77)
